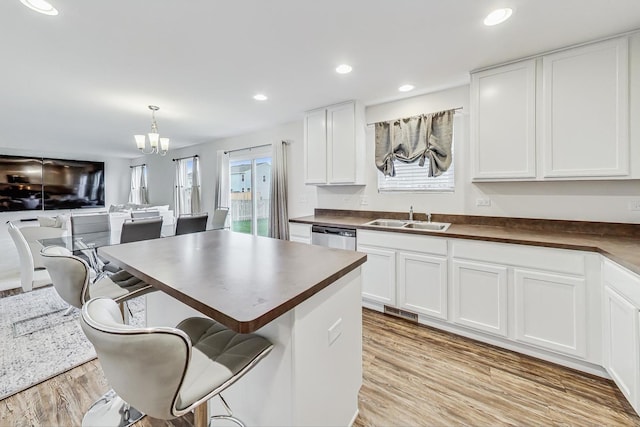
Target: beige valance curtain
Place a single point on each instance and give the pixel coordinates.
(415, 139)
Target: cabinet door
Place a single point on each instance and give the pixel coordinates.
(422, 284)
(480, 296)
(300, 232)
(315, 147)
(585, 109)
(341, 143)
(621, 344)
(503, 111)
(379, 275)
(550, 311)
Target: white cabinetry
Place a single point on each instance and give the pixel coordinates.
(550, 311)
(585, 105)
(405, 271)
(422, 284)
(622, 330)
(379, 276)
(334, 145)
(559, 116)
(300, 232)
(503, 102)
(535, 296)
(480, 296)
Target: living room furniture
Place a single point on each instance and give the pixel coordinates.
(145, 214)
(134, 230)
(193, 223)
(167, 372)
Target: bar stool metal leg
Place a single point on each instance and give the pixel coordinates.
(111, 411)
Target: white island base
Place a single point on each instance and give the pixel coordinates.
(314, 372)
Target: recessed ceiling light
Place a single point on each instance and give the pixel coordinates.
(260, 97)
(343, 69)
(406, 88)
(498, 16)
(41, 6)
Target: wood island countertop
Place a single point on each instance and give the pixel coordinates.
(619, 242)
(242, 281)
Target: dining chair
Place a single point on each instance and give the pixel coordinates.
(30, 275)
(166, 372)
(144, 214)
(71, 280)
(90, 223)
(219, 218)
(134, 230)
(191, 223)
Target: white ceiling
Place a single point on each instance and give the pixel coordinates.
(80, 82)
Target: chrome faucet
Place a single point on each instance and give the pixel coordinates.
(411, 213)
(428, 217)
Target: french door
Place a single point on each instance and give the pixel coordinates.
(249, 191)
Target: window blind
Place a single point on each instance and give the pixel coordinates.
(412, 177)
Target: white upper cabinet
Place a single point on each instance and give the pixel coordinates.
(315, 147)
(560, 116)
(585, 104)
(503, 122)
(334, 145)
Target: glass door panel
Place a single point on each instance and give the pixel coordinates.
(240, 185)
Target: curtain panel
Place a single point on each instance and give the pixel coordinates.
(139, 193)
(415, 139)
(180, 203)
(278, 215)
(196, 198)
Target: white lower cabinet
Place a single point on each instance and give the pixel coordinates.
(550, 311)
(480, 296)
(621, 344)
(379, 275)
(422, 284)
(404, 271)
(300, 232)
(621, 329)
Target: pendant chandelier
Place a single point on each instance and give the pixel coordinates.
(158, 145)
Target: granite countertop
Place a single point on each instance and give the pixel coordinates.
(618, 242)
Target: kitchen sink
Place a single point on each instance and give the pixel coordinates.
(431, 226)
(393, 223)
(414, 225)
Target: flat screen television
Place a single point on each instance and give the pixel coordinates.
(72, 184)
(20, 183)
(35, 183)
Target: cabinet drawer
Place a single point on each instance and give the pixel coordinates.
(408, 242)
(621, 280)
(562, 261)
(300, 230)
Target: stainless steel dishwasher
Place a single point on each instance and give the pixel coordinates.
(334, 237)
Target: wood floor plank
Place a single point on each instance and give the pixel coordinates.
(412, 376)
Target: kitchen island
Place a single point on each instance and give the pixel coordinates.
(304, 299)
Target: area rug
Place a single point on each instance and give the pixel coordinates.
(40, 342)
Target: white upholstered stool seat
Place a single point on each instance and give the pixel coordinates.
(167, 372)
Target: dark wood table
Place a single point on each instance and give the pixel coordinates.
(242, 281)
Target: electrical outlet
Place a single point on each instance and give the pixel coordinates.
(634, 205)
(483, 202)
(364, 200)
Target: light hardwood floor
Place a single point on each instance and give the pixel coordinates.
(413, 376)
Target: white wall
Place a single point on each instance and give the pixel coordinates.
(302, 199)
(580, 200)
